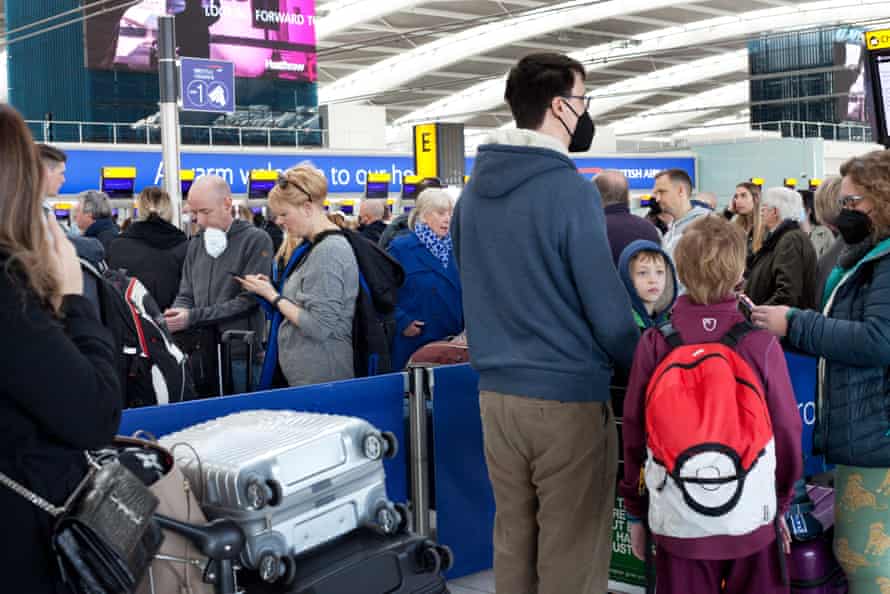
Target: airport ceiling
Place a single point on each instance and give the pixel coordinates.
(428, 60)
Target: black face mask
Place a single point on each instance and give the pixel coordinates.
(853, 225)
(582, 137)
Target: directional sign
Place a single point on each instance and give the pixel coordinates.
(207, 85)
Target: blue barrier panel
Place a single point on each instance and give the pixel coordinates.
(375, 399)
(464, 501)
(802, 369)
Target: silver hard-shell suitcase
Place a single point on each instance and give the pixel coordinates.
(292, 480)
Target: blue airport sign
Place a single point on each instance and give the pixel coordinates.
(344, 173)
(207, 85)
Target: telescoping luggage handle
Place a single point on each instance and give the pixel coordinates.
(224, 357)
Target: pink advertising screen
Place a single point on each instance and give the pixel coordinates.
(264, 38)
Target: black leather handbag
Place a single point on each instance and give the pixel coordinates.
(105, 536)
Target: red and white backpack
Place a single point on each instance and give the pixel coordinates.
(711, 460)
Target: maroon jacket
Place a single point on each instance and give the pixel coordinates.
(764, 354)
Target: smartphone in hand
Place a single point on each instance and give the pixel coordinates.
(746, 306)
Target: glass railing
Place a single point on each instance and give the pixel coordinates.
(847, 131)
(150, 134)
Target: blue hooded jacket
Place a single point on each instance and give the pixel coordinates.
(546, 314)
(665, 303)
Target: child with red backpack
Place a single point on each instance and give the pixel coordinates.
(711, 433)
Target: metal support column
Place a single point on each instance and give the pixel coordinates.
(167, 75)
(420, 484)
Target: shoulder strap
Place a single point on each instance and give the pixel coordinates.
(671, 335)
(736, 334)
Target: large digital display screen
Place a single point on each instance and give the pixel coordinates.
(263, 38)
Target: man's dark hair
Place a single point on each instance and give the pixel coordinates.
(613, 187)
(50, 155)
(535, 81)
(427, 183)
(678, 176)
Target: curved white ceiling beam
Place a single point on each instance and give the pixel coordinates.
(343, 14)
(632, 90)
(671, 115)
(739, 123)
(407, 66)
(489, 94)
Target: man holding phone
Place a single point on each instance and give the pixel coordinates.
(210, 299)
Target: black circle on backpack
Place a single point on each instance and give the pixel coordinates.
(722, 479)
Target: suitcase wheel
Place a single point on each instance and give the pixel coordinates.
(390, 519)
(392, 444)
(261, 493)
(290, 571)
(271, 567)
(447, 557)
(431, 558)
(374, 446)
(405, 514)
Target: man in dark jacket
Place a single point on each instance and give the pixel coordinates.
(93, 217)
(547, 320)
(370, 219)
(783, 271)
(622, 227)
(152, 250)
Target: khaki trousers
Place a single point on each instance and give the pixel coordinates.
(552, 467)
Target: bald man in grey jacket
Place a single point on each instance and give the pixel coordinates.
(208, 295)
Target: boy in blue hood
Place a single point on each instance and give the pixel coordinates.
(651, 281)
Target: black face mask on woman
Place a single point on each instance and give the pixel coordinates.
(853, 225)
(582, 137)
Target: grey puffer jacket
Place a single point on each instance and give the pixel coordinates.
(852, 339)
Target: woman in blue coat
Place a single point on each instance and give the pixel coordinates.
(851, 337)
(429, 303)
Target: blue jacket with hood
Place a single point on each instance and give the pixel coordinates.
(546, 314)
(665, 303)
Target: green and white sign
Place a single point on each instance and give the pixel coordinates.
(627, 574)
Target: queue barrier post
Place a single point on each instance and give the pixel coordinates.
(420, 467)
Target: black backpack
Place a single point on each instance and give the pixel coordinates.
(380, 276)
(151, 367)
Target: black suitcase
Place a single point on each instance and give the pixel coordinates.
(368, 562)
(210, 358)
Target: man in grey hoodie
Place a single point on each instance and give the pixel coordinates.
(673, 191)
(547, 320)
(209, 295)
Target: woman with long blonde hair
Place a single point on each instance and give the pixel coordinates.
(312, 302)
(60, 393)
(746, 206)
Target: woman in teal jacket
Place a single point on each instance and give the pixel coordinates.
(429, 303)
(852, 340)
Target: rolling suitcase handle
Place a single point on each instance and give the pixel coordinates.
(225, 358)
(221, 541)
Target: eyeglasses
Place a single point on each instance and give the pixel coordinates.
(584, 98)
(283, 182)
(849, 200)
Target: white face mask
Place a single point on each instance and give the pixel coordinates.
(215, 242)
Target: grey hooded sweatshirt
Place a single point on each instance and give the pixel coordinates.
(210, 292)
